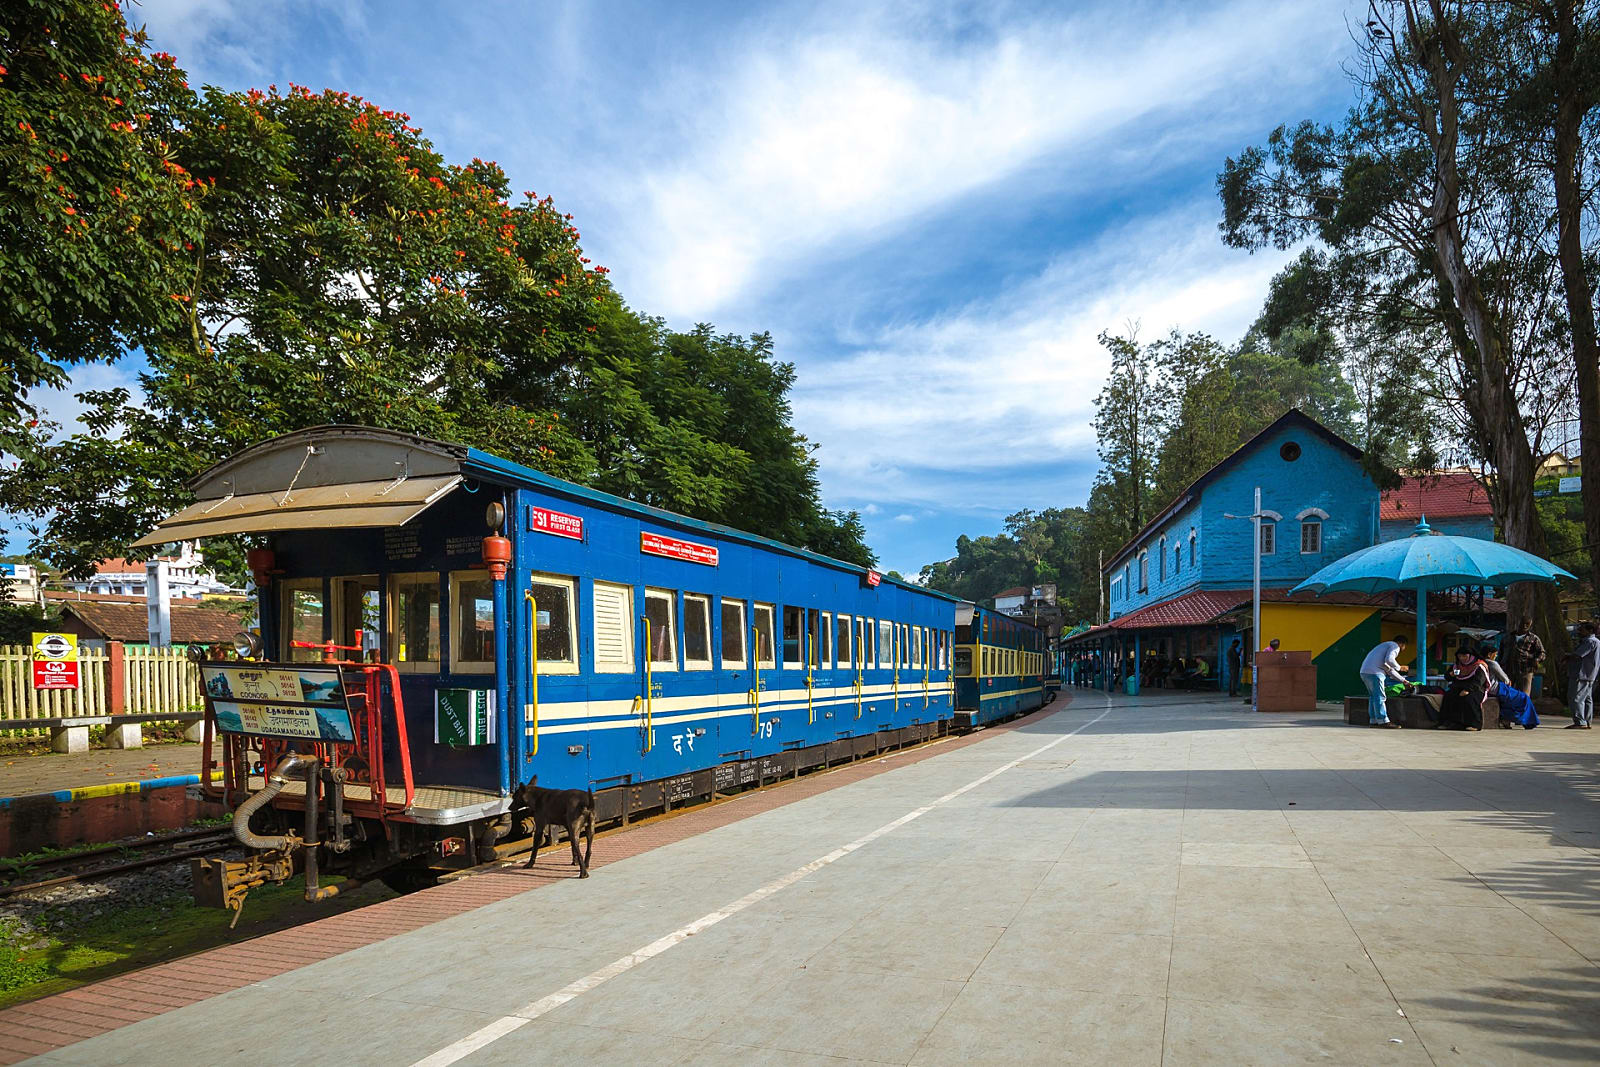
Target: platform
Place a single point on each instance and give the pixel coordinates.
(1164, 878)
(52, 772)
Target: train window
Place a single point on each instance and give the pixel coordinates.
(302, 619)
(613, 628)
(414, 635)
(916, 646)
(863, 643)
(733, 635)
(696, 632)
(812, 645)
(905, 645)
(658, 604)
(963, 662)
(356, 618)
(825, 640)
(842, 628)
(794, 625)
(762, 624)
(885, 643)
(472, 622)
(555, 602)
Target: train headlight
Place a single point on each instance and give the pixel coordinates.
(247, 644)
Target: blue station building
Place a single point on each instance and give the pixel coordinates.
(1181, 587)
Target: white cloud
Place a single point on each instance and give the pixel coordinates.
(840, 134)
(983, 389)
(905, 518)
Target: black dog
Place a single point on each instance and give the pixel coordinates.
(571, 808)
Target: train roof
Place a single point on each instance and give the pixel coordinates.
(341, 476)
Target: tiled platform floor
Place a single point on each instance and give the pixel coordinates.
(47, 772)
(1180, 881)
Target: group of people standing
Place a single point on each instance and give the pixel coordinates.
(1479, 671)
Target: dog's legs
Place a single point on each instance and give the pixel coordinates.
(538, 839)
(588, 852)
(572, 839)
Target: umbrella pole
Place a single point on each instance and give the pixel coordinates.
(1422, 635)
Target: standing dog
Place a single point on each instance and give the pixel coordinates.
(571, 808)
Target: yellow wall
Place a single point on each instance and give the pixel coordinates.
(1308, 627)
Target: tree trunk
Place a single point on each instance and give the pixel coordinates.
(1492, 401)
(1571, 106)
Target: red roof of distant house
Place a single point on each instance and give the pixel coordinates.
(1437, 496)
(102, 598)
(1016, 590)
(118, 565)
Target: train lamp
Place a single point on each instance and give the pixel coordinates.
(263, 564)
(247, 644)
(496, 549)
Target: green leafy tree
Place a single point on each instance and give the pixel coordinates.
(95, 212)
(1131, 417)
(1423, 221)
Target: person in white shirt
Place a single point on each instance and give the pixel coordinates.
(1382, 664)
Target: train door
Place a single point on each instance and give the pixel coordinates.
(555, 711)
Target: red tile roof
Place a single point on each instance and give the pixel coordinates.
(118, 565)
(1191, 609)
(1438, 496)
(191, 624)
(1016, 590)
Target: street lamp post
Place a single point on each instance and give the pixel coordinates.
(1255, 518)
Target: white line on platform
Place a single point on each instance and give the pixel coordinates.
(491, 1033)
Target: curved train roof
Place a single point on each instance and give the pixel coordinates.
(361, 476)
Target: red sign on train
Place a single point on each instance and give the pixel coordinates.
(672, 548)
(873, 578)
(544, 520)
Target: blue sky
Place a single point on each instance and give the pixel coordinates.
(934, 208)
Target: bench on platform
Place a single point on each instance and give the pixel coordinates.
(1411, 712)
(71, 733)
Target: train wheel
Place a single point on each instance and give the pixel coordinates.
(410, 878)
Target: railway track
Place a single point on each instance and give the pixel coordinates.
(109, 860)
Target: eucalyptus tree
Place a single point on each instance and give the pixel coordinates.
(1423, 225)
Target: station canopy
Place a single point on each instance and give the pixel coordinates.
(326, 477)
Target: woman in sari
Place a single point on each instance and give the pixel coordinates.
(1466, 684)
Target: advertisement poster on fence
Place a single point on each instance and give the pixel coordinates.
(55, 661)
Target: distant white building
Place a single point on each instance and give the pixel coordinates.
(23, 579)
(187, 577)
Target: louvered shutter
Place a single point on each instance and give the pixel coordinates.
(613, 627)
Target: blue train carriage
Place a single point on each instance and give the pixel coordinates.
(1000, 667)
(472, 624)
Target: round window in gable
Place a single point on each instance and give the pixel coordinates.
(1290, 451)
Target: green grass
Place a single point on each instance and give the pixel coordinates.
(88, 948)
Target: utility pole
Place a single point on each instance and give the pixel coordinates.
(1255, 518)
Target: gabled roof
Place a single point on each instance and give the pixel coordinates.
(1294, 416)
(1016, 590)
(1443, 495)
(191, 624)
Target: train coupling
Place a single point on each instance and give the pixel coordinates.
(223, 883)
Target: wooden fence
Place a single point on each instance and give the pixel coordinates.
(154, 681)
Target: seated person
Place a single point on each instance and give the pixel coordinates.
(1516, 707)
(1466, 685)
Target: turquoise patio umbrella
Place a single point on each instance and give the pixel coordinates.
(1428, 561)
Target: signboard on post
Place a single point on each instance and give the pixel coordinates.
(55, 661)
(673, 548)
(303, 702)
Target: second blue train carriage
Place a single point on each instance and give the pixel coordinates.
(498, 624)
(1000, 667)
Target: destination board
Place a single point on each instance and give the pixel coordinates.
(306, 703)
